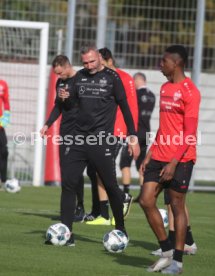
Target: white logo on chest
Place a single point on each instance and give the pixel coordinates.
(177, 95)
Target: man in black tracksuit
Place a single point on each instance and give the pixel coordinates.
(98, 91)
(65, 71)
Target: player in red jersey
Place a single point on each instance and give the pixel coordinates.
(146, 104)
(4, 121)
(169, 162)
(120, 130)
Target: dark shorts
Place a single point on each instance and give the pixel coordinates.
(126, 159)
(180, 181)
(166, 197)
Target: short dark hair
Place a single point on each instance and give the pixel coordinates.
(180, 50)
(60, 60)
(85, 48)
(140, 74)
(106, 53)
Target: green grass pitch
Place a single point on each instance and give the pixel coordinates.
(25, 217)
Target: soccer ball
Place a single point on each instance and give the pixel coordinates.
(12, 186)
(115, 241)
(58, 234)
(164, 216)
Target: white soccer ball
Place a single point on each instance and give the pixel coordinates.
(164, 216)
(115, 241)
(58, 234)
(12, 186)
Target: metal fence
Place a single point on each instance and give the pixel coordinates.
(137, 31)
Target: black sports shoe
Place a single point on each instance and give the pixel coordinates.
(79, 214)
(48, 243)
(71, 241)
(127, 205)
(90, 217)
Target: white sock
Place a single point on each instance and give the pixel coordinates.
(167, 254)
(179, 264)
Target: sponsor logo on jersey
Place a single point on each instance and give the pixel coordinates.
(144, 99)
(177, 95)
(81, 90)
(103, 81)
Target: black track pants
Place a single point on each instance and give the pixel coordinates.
(3, 155)
(73, 164)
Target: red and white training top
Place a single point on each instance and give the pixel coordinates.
(128, 83)
(179, 109)
(4, 97)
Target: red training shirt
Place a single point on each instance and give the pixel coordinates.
(128, 83)
(177, 102)
(4, 97)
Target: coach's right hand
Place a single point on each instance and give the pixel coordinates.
(63, 94)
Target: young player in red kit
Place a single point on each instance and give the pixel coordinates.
(4, 121)
(170, 160)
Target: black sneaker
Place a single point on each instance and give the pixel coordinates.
(127, 205)
(124, 231)
(90, 217)
(79, 214)
(48, 243)
(71, 241)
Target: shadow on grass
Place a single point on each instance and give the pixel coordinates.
(144, 244)
(82, 238)
(124, 258)
(49, 216)
(140, 261)
(136, 261)
(128, 260)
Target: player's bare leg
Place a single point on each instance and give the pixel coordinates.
(148, 198)
(180, 218)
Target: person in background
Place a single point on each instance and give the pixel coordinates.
(4, 121)
(146, 104)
